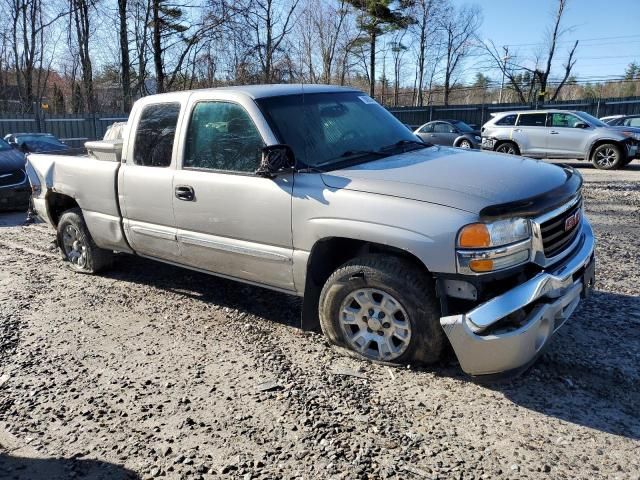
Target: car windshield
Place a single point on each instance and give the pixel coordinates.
(593, 121)
(463, 127)
(4, 145)
(330, 129)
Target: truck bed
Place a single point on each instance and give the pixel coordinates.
(91, 183)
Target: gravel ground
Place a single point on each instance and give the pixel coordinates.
(152, 371)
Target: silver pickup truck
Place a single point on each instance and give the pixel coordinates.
(399, 248)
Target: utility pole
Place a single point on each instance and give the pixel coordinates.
(504, 68)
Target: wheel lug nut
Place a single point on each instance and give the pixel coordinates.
(386, 325)
(381, 333)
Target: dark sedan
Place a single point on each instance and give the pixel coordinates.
(454, 133)
(14, 184)
(36, 142)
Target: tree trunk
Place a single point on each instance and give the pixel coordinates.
(372, 66)
(125, 64)
(157, 47)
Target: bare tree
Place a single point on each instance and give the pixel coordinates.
(424, 30)
(459, 29)
(270, 22)
(515, 69)
(27, 32)
(80, 19)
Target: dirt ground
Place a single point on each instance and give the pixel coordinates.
(151, 371)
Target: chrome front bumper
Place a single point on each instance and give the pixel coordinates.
(553, 296)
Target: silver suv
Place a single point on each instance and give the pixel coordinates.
(560, 134)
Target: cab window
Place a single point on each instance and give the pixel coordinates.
(155, 133)
(222, 136)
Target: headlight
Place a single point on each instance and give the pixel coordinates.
(478, 138)
(634, 135)
(495, 234)
(489, 247)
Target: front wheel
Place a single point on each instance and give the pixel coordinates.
(466, 144)
(78, 249)
(607, 157)
(384, 309)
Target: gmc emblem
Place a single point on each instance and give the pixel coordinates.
(571, 221)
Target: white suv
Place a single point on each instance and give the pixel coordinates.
(561, 134)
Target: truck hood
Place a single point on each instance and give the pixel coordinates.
(468, 180)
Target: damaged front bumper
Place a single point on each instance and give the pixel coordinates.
(486, 346)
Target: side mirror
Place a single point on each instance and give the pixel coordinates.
(581, 125)
(275, 159)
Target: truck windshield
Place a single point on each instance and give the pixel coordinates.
(327, 130)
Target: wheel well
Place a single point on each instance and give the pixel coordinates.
(326, 256)
(501, 142)
(603, 142)
(57, 204)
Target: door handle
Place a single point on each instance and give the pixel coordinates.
(185, 192)
(517, 129)
(553, 132)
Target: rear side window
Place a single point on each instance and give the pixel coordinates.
(507, 120)
(443, 128)
(532, 119)
(632, 122)
(155, 134)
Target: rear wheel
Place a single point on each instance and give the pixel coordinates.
(509, 148)
(383, 309)
(607, 156)
(78, 249)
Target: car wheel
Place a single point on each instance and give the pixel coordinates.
(607, 157)
(509, 148)
(464, 144)
(78, 249)
(383, 309)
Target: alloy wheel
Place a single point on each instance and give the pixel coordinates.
(74, 246)
(375, 324)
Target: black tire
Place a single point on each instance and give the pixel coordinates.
(607, 156)
(404, 283)
(509, 148)
(464, 143)
(78, 250)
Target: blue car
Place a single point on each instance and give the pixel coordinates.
(15, 190)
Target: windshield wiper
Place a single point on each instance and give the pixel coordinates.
(352, 154)
(401, 143)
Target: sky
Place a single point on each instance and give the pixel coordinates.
(608, 31)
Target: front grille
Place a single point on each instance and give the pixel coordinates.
(555, 238)
(12, 178)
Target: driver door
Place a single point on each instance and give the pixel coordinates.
(229, 220)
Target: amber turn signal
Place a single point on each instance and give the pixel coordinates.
(475, 235)
(481, 265)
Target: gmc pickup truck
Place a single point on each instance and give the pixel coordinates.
(398, 247)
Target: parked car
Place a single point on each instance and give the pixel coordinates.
(622, 120)
(561, 134)
(36, 142)
(454, 133)
(15, 190)
(320, 192)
